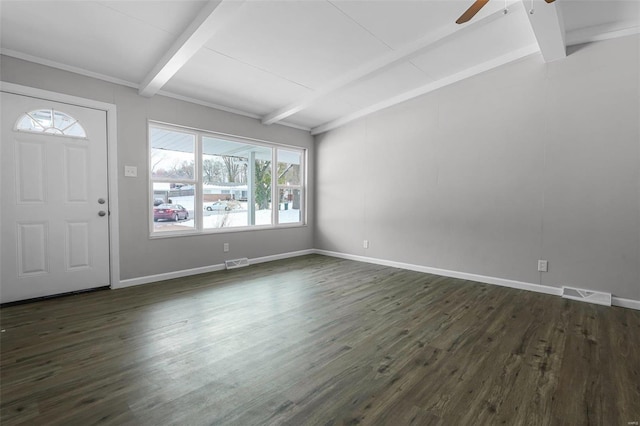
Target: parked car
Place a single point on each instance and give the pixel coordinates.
(170, 212)
(217, 206)
(158, 201)
(222, 205)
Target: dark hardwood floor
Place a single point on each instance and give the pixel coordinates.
(317, 340)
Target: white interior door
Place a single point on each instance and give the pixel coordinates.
(54, 214)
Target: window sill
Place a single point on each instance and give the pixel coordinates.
(218, 231)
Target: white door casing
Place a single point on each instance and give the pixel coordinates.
(53, 238)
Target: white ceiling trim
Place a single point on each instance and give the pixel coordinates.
(225, 108)
(378, 65)
(65, 67)
(120, 82)
(210, 19)
(599, 33)
(548, 27)
(469, 72)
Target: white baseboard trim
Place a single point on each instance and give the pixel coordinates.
(538, 288)
(204, 269)
(625, 303)
(447, 273)
(168, 276)
(281, 256)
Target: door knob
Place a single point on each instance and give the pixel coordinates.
(101, 201)
(102, 213)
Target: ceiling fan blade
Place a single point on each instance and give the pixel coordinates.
(470, 13)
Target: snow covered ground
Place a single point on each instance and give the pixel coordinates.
(224, 219)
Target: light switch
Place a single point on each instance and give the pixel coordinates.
(130, 171)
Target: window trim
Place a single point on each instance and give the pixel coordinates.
(198, 183)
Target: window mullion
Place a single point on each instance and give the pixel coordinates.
(251, 188)
(199, 185)
(275, 202)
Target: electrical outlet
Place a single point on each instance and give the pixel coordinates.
(225, 247)
(543, 266)
(365, 244)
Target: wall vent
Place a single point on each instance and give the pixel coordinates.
(236, 263)
(590, 296)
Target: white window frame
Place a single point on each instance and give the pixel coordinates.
(198, 183)
(153, 180)
(45, 130)
(276, 188)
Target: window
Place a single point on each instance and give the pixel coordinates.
(289, 186)
(52, 122)
(173, 179)
(205, 182)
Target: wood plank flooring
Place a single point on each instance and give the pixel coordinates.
(319, 341)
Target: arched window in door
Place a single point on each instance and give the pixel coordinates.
(52, 122)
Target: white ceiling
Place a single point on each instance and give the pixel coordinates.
(313, 64)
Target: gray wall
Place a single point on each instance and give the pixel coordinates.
(139, 255)
(528, 161)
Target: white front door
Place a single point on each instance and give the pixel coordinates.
(54, 214)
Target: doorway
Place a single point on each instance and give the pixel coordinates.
(55, 196)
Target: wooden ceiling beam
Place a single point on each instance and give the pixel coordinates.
(378, 65)
(419, 91)
(211, 18)
(548, 27)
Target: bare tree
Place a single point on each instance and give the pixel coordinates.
(156, 158)
(232, 166)
(236, 168)
(212, 171)
(185, 169)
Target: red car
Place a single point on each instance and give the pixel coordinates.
(170, 212)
